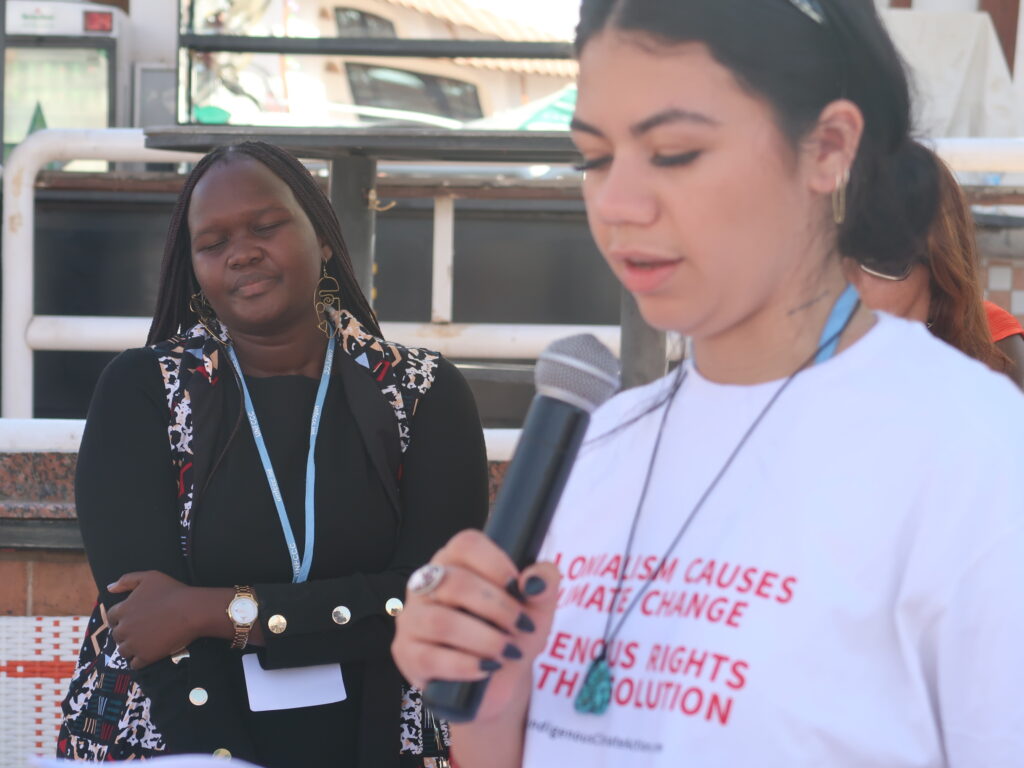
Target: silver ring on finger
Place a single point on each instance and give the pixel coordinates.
(426, 579)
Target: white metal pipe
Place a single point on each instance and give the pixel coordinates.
(65, 435)
(18, 238)
(493, 341)
(482, 341)
(501, 443)
(40, 435)
(443, 259)
(71, 333)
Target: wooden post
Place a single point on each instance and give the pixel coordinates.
(1004, 15)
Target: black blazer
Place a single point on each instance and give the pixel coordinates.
(433, 495)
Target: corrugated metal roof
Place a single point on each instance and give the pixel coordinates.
(550, 67)
(489, 24)
(462, 13)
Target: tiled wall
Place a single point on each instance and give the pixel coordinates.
(1003, 281)
(33, 582)
(45, 584)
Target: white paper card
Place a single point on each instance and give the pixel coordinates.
(293, 687)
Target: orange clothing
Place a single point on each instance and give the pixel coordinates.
(1001, 323)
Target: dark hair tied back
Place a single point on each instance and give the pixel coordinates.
(799, 66)
(173, 312)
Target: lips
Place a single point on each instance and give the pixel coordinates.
(252, 284)
(644, 272)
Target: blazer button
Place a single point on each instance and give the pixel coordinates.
(277, 624)
(341, 615)
(222, 753)
(198, 696)
(394, 606)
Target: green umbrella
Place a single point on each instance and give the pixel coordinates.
(38, 121)
(211, 115)
(550, 113)
(554, 115)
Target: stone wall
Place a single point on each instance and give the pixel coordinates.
(1003, 283)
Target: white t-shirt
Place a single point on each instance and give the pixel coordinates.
(850, 596)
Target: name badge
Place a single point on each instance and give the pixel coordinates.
(293, 687)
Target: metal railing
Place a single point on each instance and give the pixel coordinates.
(24, 332)
(18, 240)
(402, 47)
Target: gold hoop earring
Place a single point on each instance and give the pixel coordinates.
(326, 296)
(839, 196)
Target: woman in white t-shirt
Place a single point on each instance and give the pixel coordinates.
(805, 547)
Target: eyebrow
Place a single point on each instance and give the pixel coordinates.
(665, 117)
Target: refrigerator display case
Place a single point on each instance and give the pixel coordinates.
(65, 66)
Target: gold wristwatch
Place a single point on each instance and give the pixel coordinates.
(242, 610)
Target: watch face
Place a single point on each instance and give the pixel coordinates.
(243, 610)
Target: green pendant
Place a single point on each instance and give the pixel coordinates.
(596, 693)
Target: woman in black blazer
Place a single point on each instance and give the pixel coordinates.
(262, 340)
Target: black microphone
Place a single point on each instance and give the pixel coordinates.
(573, 376)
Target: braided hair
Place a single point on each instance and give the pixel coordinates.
(174, 314)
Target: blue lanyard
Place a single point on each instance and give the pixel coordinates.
(300, 568)
(842, 311)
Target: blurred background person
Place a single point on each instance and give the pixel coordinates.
(940, 286)
(1008, 334)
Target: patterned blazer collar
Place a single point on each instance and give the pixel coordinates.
(367, 370)
(358, 342)
(353, 337)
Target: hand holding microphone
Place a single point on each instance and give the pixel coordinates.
(462, 634)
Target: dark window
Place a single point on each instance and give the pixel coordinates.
(375, 86)
(353, 23)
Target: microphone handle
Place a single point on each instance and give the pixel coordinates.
(526, 502)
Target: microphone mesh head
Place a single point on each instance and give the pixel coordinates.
(578, 370)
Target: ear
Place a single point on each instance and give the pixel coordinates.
(832, 145)
(325, 252)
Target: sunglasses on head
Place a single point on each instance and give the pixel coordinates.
(885, 273)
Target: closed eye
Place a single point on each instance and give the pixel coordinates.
(211, 246)
(597, 162)
(668, 161)
(270, 227)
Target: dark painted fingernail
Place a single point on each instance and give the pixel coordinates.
(524, 624)
(513, 589)
(534, 586)
(511, 652)
(489, 665)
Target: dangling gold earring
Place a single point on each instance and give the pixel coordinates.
(204, 313)
(327, 296)
(839, 196)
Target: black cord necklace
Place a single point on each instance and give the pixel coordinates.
(595, 694)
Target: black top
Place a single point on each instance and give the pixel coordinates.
(364, 552)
